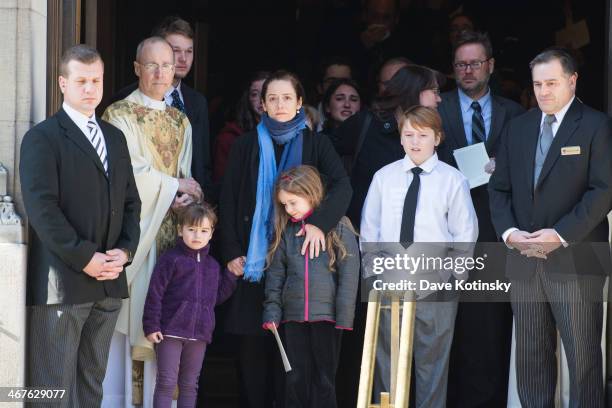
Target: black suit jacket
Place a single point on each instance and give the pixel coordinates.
(196, 109)
(502, 110)
(573, 194)
(74, 209)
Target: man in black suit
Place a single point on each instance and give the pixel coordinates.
(472, 114)
(83, 210)
(550, 196)
(179, 34)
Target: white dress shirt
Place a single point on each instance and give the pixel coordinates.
(444, 212)
(81, 121)
(554, 126)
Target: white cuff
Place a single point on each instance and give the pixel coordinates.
(506, 234)
(564, 242)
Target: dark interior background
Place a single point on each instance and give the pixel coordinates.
(234, 38)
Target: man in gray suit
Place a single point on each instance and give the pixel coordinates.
(83, 210)
(473, 114)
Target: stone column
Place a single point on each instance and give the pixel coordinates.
(23, 58)
(23, 30)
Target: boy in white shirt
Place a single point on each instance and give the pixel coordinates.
(421, 199)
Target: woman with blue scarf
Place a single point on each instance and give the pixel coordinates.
(281, 141)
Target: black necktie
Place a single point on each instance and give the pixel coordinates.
(478, 126)
(410, 205)
(176, 101)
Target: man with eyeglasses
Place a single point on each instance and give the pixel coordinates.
(179, 34)
(160, 149)
(472, 114)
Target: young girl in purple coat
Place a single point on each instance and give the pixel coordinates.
(179, 311)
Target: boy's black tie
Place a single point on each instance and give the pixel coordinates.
(410, 205)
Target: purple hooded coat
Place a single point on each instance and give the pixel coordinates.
(185, 287)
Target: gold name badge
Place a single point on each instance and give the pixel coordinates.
(570, 150)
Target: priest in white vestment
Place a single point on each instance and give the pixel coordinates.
(159, 141)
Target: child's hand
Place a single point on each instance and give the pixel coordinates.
(269, 325)
(155, 337)
(236, 266)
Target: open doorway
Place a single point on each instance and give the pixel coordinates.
(237, 37)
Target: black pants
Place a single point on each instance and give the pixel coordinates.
(261, 372)
(313, 350)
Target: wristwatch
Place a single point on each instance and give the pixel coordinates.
(129, 255)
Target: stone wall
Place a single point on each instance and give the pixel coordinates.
(23, 30)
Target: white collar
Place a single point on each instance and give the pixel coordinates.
(152, 103)
(427, 166)
(561, 114)
(77, 117)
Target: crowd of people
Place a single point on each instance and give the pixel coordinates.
(140, 225)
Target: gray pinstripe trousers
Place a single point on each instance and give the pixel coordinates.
(575, 307)
(68, 348)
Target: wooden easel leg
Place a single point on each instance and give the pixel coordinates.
(402, 394)
(368, 360)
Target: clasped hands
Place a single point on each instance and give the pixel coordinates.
(106, 266)
(536, 244)
(189, 191)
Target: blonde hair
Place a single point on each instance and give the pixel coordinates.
(422, 117)
(304, 181)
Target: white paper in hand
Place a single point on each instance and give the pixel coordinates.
(471, 161)
(281, 349)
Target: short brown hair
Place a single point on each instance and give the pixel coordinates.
(82, 53)
(194, 214)
(173, 25)
(422, 117)
(473, 37)
(282, 75)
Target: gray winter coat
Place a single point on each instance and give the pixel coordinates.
(305, 290)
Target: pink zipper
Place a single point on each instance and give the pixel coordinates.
(305, 281)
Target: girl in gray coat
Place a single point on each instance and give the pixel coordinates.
(315, 297)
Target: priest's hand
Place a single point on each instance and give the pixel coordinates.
(191, 187)
(181, 201)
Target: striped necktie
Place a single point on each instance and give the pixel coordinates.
(478, 126)
(95, 137)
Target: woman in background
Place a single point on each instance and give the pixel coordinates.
(342, 100)
(248, 113)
